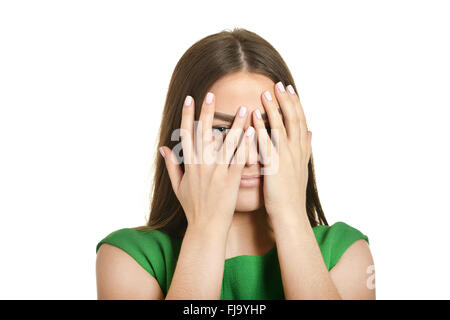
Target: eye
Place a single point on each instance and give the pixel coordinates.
(220, 130)
(224, 130)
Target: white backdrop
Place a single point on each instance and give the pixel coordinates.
(83, 83)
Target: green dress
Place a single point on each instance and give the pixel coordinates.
(245, 276)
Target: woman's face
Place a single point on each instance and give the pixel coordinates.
(231, 92)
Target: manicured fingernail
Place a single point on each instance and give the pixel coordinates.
(268, 95)
(242, 111)
(188, 101)
(258, 114)
(162, 152)
(250, 130)
(291, 89)
(209, 98)
(280, 86)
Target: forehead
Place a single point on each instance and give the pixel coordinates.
(240, 88)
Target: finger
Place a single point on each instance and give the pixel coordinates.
(233, 138)
(273, 112)
(242, 153)
(187, 130)
(290, 115)
(206, 117)
(301, 114)
(264, 141)
(173, 167)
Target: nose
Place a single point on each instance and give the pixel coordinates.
(252, 158)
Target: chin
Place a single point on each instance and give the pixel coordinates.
(249, 199)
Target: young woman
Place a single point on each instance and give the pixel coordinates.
(249, 226)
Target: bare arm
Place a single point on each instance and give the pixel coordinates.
(354, 274)
(120, 277)
(200, 265)
(208, 194)
(304, 273)
(207, 191)
(198, 273)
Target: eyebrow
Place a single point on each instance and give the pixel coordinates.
(230, 118)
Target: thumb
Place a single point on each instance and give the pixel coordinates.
(173, 167)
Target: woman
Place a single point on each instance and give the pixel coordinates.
(238, 218)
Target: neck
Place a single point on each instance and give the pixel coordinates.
(250, 234)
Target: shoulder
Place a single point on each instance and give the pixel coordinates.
(135, 238)
(151, 249)
(119, 276)
(351, 262)
(128, 259)
(335, 239)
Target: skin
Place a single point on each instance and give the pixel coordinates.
(226, 220)
(249, 232)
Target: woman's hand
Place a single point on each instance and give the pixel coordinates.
(285, 161)
(209, 187)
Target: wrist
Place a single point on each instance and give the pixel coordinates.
(290, 219)
(208, 230)
(291, 232)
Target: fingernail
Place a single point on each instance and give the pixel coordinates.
(291, 89)
(162, 152)
(268, 95)
(188, 101)
(280, 86)
(250, 130)
(258, 114)
(209, 98)
(242, 111)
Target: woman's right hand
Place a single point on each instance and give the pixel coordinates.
(208, 188)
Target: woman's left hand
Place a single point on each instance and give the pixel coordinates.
(285, 157)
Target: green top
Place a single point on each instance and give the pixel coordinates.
(244, 276)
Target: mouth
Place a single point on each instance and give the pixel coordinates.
(250, 181)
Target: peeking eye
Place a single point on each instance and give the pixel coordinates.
(224, 130)
(220, 130)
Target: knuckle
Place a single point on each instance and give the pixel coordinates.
(294, 117)
(302, 120)
(187, 110)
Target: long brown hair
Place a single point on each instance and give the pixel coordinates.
(199, 68)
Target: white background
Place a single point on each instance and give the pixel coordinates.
(82, 87)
